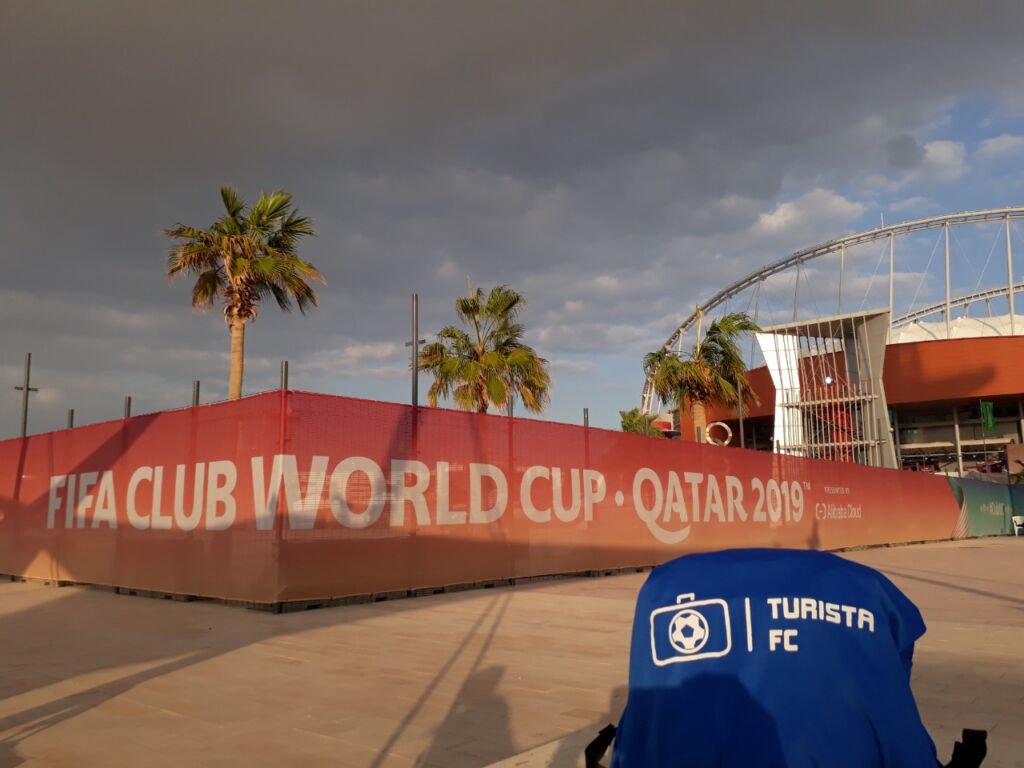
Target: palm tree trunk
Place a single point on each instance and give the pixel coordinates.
(700, 421)
(237, 357)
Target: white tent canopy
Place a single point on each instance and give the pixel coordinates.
(959, 328)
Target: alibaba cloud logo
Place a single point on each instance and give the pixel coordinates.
(820, 511)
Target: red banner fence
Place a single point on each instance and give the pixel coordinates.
(292, 496)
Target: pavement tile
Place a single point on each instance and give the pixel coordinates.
(521, 676)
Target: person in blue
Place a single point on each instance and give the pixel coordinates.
(771, 657)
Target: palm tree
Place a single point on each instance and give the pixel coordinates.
(487, 364)
(244, 256)
(641, 423)
(713, 374)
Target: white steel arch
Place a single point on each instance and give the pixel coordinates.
(840, 245)
(960, 301)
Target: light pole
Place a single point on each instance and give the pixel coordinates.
(25, 390)
(739, 391)
(414, 345)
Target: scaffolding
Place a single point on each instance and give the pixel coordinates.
(829, 398)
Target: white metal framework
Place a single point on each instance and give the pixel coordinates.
(829, 397)
(960, 301)
(797, 260)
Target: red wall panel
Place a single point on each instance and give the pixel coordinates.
(923, 372)
(312, 496)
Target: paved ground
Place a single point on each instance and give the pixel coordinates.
(523, 675)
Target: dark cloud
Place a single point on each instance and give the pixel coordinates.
(904, 153)
(617, 161)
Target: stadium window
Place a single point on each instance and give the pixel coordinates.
(1005, 409)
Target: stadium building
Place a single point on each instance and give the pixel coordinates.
(928, 378)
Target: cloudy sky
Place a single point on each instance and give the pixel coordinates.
(616, 162)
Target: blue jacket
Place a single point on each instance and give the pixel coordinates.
(771, 657)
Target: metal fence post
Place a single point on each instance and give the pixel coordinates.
(26, 390)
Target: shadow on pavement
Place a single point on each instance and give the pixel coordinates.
(479, 720)
(570, 750)
(73, 635)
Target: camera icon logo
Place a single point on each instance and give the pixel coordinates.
(690, 630)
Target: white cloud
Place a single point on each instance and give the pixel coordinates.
(915, 204)
(381, 360)
(562, 365)
(593, 336)
(48, 395)
(1004, 145)
(448, 269)
(812, 209)
(878, 182)
(943, 161)
(606, 284)
(940, 161)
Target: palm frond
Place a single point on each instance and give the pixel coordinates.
(296, 226)
(207, 288)
(497, 391)
(636, 421)
(484, 363)
(469, 308)
(713, 372)
(247, 255)
(183, 232)
(269, 210)
(233, 203)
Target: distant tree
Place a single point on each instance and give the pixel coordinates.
(635, 420)
(249, 253)
(486, 364)
(712, 374)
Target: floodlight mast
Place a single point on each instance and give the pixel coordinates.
(840, 244)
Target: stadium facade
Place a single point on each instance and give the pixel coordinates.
(937, 387)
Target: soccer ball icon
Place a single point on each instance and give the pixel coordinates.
(688, 631)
